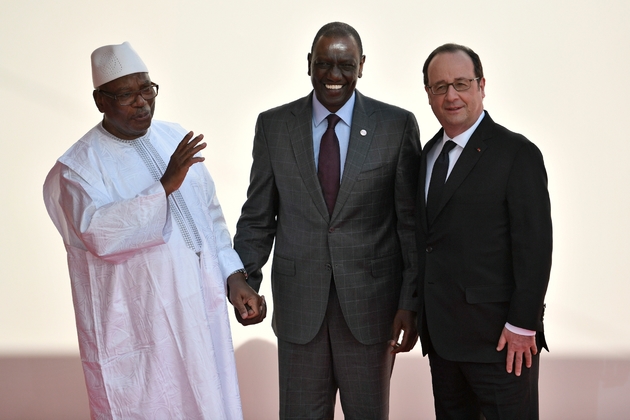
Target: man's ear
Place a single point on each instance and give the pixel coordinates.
(482, 87)
(361, 62)
(308, 58)
(98, 100)
(426, 89)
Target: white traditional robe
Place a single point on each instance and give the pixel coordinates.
(151, 311)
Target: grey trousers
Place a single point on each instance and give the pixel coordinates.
(310, 374)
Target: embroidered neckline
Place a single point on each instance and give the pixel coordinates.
(145, 137)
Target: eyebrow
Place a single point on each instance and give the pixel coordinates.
(454, 80)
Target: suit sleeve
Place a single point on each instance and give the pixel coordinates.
(405, 202)
(256, 228)
(531, 235)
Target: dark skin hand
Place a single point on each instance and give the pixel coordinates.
(181, 160)
(404, 321)
(249, 307)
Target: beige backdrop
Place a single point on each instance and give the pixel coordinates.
(556, 71)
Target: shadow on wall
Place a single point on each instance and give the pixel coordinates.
(52, 388)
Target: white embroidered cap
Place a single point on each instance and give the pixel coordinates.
(113, 61)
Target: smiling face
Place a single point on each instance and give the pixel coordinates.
(456, 111)
(335, 65)
(131, 121)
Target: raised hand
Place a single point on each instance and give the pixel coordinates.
(181, 160)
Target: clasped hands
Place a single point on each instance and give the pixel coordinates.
(249, 307)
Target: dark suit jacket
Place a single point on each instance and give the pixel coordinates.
(367, 244)
(486, 257)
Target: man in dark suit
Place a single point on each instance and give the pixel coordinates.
(344, 267)
(485, 243)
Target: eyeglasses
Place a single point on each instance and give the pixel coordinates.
(127, 98)
(459, 85)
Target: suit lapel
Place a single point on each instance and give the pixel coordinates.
(471, 154)
(361, 134)
(300, 129)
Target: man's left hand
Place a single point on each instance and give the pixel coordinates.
(519, 347)
(404, 321)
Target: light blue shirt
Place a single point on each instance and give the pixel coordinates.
(342, 129)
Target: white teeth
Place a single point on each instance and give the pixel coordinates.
(334, 87)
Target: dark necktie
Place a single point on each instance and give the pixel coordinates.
(438, 178)
(329, 163)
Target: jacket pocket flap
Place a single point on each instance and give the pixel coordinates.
(283, 266)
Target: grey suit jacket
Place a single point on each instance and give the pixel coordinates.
(368, 244)
(486, 257)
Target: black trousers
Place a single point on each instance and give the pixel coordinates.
(472, 391)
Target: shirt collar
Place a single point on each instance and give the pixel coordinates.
(462, 139)
(345, 112)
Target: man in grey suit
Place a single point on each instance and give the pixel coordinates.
(344, 266)
(484, 231)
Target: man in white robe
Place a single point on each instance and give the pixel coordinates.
(150, 258)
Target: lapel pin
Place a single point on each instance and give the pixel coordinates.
(479, 149)
(363, 133)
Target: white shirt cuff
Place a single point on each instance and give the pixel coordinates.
(518, 330)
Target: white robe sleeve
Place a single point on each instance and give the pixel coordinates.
(229, 260)
(113, 230)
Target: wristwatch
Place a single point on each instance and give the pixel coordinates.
(240, 270)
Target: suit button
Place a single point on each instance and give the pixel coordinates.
(328, 267)
(331, 230)
(429, 249)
